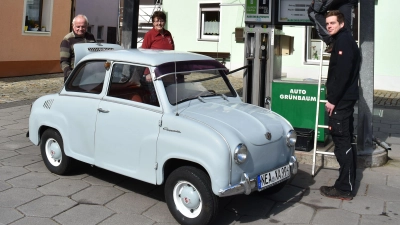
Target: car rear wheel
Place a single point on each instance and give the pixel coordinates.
(189, 196)
(52, 150)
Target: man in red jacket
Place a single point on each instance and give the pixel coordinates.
(342, 94)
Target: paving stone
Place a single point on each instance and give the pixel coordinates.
(96, 195)
(7, 154)
(250, 205)
(252, 220)
(4, 186)
(361, 188)
(8, 215)
(4, 139)
(394, 181)
(386, 169)
(334, 217)
(378, 219)
(131, 203)
(17, 196)
(84, 214)
(20, 138)
(364, 205)
(372, 177)
(34, 221)
(225, 217)
(31, 150)
(21, 160)
(384, 192)
(63, 187)
(137, 186)
(8, 172)
(160, 213)
(14, 116)
(47, 206)
(13, 145)
(38, 167)
(32, 180)
(105, 178)
(314, 199)
(4, 122)
(131, 219)
(393, 209)
(17, 126)
(289, 193)
(292, 212)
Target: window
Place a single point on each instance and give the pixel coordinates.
(90, 29)
(88, 78)
(127, 82)
(313, 46)
(38, 15)
(209, 21)
(100, 33)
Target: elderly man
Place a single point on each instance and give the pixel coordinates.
(342, 94)
(78, 35)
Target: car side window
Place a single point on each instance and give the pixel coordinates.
(127, 82)
(88, 78)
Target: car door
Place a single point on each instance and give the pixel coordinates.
(127, 125)
(80, 99)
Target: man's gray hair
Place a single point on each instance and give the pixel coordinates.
(80, 15)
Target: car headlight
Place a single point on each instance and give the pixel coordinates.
(291, 138)
(240, 155)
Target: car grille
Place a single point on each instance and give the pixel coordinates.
(47, 104)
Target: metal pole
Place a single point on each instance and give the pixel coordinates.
(365, 103)
(130, 24)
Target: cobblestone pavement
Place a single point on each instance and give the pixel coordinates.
(31, 87)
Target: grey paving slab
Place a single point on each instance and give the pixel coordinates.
(84, 214)
(131, 203)
(96, 195)
(74, 176)
(4, 122)
(105, 178)
(17, 196)
(20, 138)
(21, 160)
(14, 116)
(378, 219)
(8, 215)
(4, 139)
(289, 193)
(393, 209)
(372, 177)
(13, 145)
(364, 205)
(17, 126)
(250, 205)
(4, 186)
(225, 217)
(34, 221)
(137, 186)
(384, 192)
(387, 169)
(393, 181)
(7, 154)
(24, 120)
(131, 219)
(335, 217)
(8, 172)
(32, 150)
(47, 206)
(2, 114)
(361, 188)
(37, 167)
(63, 187)
(251, 220)
(314, 199)
(159, 213)
(32, 180)
(291, 212)
(24, 108)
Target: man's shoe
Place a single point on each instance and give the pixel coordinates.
(332, 192)
(329, 48)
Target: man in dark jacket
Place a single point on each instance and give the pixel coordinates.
(317, 11)
(342, 94)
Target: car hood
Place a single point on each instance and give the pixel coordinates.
(252, 122)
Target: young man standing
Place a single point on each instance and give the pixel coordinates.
(342, 94)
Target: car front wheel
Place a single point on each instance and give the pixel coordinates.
(189, 196)
(52, 150)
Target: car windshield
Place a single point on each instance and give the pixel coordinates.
(184, 86)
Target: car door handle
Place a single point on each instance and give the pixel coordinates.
(102, 110)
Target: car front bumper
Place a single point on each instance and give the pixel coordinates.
(247, 185)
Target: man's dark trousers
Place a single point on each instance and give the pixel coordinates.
(341, 129)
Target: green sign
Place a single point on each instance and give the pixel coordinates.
(251, 7)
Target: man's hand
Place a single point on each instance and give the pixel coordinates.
(148, 77)
(329, 108)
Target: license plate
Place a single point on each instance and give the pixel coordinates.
(272, 177)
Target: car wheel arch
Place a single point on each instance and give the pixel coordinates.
(174, 163)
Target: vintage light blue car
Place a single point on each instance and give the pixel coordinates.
(164, 117)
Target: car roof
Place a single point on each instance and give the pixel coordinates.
(151, 57)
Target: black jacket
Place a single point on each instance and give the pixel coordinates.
(344, 68)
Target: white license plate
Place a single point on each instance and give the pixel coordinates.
(270, 178)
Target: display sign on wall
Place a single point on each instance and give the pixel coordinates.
(293, 11)
(258, 11)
